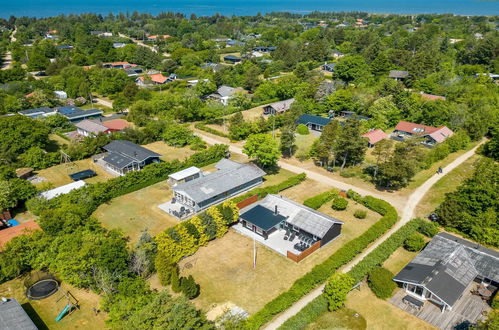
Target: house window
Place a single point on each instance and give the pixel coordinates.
(259, 231)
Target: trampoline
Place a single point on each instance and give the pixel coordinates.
(41, 286)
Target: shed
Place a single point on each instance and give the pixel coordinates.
(61, 95)
(374, 136)
(24, 172)
(398, 75)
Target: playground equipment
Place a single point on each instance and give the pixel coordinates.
(70, 307)
(40, 285)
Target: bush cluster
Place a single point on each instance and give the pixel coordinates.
(302, 129)
(321, 272)
(360, 214)
(339, 204)
(414, 242)
(429, 229)
(381, 283)
(317, 201)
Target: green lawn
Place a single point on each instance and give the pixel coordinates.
(344, 318)
(169, 153)
(447, 184)
(398, 260)
(43, 312)
(303, 143)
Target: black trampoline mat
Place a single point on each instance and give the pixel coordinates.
(42, 289)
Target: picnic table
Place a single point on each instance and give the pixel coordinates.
(484, 292)
(413, 301)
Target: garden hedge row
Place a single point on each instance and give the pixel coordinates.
(317, 201)
(275, 189)
(210, 130)
(321, 272)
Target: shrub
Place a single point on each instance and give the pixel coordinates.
(339, 204)
(317, 201)
(414, 243)
(354, 196)
(175, 279)
(336, 290)
(302, 129)
(347, 173)
(164, 269)
(360, 214)
(189, 287)
(495, 301)
(428, 229)
(210, 130)
(381, 283)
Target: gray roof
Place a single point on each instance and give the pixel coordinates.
(223, 180)
(398, 74)
(298, 215)
(13, 316)
(37, 111)
(448, 265)
(225, 91)
(91, 126)
(123, 153)
(281, 106)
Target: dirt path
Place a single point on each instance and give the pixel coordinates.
(138, 42)
(407, 214)
(7, 59)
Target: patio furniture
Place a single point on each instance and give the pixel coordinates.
(484, 292)
(292, 237)
(413, 302)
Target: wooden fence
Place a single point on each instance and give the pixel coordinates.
(247, 201)
(304, 254)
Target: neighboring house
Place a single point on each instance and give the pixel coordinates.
(352, 114)
(264, 49)
(116, 125)
(124, 156)
(314, 123)
(232, 59)
(186, 175)
(374, 136)
(62, 190)
(446, 268)
(232, 178)
(75, 114)
(431, 135)
(224, 94)
(158, 37)
(90, 128)
(278, 107)
(38, 112)
(431, 97)
(337, 54)
(61, 95)
(232, 43)
(13, 316)
(152, 79)
(329, 67)
(215, 67)
(119, 65)
(119, 45)
(398, 75)
(65, 47)
(101, 33)
(254, 54)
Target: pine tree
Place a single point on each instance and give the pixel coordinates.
(189, 287)
(175, 280)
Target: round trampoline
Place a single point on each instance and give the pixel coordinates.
(40, 286)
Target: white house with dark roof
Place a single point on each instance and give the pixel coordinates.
(278, 107)
(446, 268)
(232, 178)
(124, 156)
(224, 94)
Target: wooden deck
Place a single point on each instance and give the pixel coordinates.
(468, 309)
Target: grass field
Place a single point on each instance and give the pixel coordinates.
(344, 318)
(59, 175)
(380, 314)
(303, 143)
(137, 211)
(43, 312)
(224, 268)
(169, 153)
(399, 259)
(447, 184)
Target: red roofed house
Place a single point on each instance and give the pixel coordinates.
(9, 233)
(374, 136)
(152, 79)
(116, 125)
(432, 135)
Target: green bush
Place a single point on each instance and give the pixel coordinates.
(336, 290)
(317, 201)
(189, 287)
(175, 279)
(321, 272)
(339, 204)
(495, 301)
(428, 229)
(360, 214)
(347, 173)
(381, 283)
(302, 129)
(354, 196)
(414, 243)
(275, 189)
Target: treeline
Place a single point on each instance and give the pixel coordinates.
(473, 208)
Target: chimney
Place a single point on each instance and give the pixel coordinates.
(276, 212)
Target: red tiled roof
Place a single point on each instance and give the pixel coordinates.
(441, 134)
(431, 97)
(7, 234)
(413, 128)
(116, 124)
(158, 78)
(375, 136)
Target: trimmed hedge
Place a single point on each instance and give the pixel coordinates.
(414, 243)
(210, 130)
(317, 201)
(275, 189)
(321, 272)
(381, 283)
(308, 314)
(302, 129)
(429, 229)
(339, 204)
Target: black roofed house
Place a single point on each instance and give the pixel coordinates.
(329, 67)
(265, 49)
(13, 316)
(231, 179)
(75, 114)
(287, 226)
(444, 271)
(315, 123)
(278, 107)
(232, 59)
(124, 156)
(398, 75)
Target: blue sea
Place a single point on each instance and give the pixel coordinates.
(43, 8)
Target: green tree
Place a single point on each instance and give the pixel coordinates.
(13, 191)
(350, 146)
(177, 135)
(189, 287)
(336, 290)
(263, 148)
(384, 113)
(175, 279)
(414, 242)
(120, 103)
(287, 142)
(381, 282)
(352, 68)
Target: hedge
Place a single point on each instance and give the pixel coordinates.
(381, 282)
(308, 314)
(414, 243)
(321, 272)
(275, 189)
(317, 201)
(210, 130)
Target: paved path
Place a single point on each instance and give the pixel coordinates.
(407, 215)
(406, 205)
